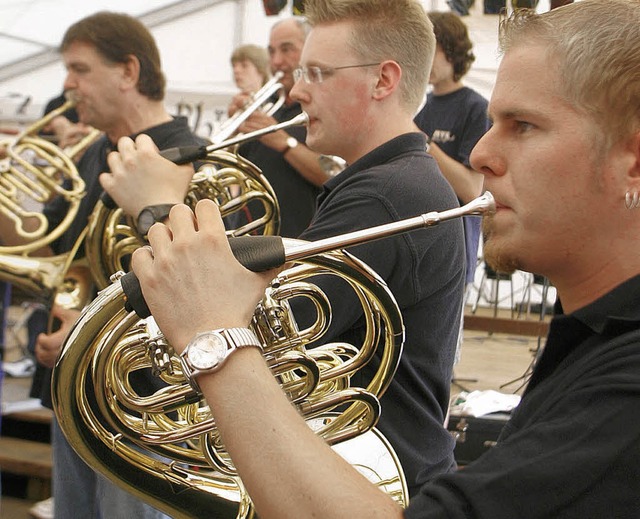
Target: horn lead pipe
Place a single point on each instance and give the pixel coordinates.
(187, 154)
(259, 253)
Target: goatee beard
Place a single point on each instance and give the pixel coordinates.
(495, 255)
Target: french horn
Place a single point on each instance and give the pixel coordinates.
(164, 447)
(245, 197)
(34, 170)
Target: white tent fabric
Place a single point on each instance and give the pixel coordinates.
(195, 37)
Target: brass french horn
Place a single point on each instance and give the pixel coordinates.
(32, 172)
(164, 447)
(244, 195)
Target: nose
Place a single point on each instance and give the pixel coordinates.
(299, 92)
(485, 156)
(275, 58)
(69, 82)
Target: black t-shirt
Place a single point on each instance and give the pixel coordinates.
(456, 122)
(572, 446)
(94, 162)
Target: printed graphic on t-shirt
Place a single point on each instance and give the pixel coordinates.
(442, 136)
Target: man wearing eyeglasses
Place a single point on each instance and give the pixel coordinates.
(293, 170)
(362, 77)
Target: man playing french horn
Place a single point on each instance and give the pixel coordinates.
(563, 161)
(115, 78)
(361, 94)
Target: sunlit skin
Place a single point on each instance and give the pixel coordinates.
(330, 114)
(546, 214)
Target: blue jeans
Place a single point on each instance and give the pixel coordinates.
(79, 491)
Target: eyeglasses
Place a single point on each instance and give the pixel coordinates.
(317, 74)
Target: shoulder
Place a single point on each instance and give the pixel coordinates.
(174, 132)
(409, 184)
(474, 99)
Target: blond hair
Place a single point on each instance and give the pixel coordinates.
(596, 46)
(256, 55)
(397, 30)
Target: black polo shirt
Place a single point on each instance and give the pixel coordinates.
(424, 269)
(572, 446)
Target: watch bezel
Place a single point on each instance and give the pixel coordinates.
(232, 338)
(197, 346)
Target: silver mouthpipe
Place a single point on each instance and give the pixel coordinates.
(299, 120)
(482, 205)
(259, 99)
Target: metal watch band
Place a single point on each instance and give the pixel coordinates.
(241, 337)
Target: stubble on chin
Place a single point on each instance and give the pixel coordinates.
(494, 252)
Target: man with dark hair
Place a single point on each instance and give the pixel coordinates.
(114, 74)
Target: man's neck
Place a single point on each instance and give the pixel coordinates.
(446, 87)
(391, 128)
(138, 118)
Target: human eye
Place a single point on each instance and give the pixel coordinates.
(287, 48)
(315, 74)
(523, 126)
(79, 68)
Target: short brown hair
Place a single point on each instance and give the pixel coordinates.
(453, 37)
(397, 30)
(117, 36)
(256, 55)
(596, 46)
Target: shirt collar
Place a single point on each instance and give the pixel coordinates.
(619, 307)
(407, 142)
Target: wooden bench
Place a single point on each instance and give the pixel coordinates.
(28, 458)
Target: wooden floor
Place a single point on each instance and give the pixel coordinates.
(494, 361)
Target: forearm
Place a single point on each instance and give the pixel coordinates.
(466, 183)
(287, 469)
(305, 161)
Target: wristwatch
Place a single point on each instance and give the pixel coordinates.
(150, 215)
(292, 142)
(207, 351)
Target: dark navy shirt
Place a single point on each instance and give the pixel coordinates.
(296, 196)
(456, 122)
(424, 270)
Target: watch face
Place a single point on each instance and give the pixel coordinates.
(292, 142)
(207, 351)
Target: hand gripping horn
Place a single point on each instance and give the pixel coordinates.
(164, 447)
(234, 183)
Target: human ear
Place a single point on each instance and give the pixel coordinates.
(388, 79)
(131, 70)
